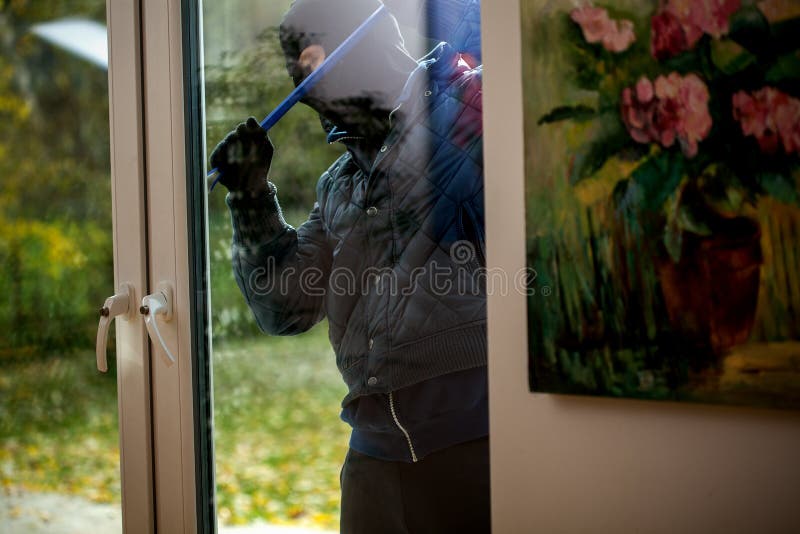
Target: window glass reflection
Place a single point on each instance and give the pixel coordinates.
(360, 216)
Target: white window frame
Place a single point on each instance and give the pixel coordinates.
(130, 253)
(173, 391)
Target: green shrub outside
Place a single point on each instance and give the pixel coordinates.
(55, 211)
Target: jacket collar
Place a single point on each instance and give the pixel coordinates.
(433, 71)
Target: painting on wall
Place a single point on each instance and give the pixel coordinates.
(663, 198)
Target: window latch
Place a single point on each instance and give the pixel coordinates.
(153, 306)
(119, 304)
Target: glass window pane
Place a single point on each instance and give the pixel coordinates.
(59, 445)
(278, 440)
(352, 293)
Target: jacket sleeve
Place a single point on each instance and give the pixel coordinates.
(281, 271)
(457, 22)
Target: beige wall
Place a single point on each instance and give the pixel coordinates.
(568, 464)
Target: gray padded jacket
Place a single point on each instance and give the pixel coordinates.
(392, 255)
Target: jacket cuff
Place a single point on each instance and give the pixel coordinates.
(256, 221)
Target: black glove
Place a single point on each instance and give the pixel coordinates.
(243, 158)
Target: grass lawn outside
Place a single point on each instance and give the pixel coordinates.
(279, 443)
(58, 427)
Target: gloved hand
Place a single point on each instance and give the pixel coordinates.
(243, 158)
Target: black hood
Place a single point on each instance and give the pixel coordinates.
(363, 86)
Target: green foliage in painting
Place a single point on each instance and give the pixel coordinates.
(730, 57)
(779, 186)
(751, 29)
(576, 113)
(608, 137)
(657, 177)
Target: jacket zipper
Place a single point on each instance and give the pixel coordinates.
(346, 138)
(403, 430)
(391, 115)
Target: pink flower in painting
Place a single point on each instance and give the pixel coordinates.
(621, 37)
(673, 108)
(771, 116)
(788, 121)
(704, 16)
(668, 37)
(638, 111)
(752, 117)
(685, 107)
(679, 24)
(594, 22)
(598, 27)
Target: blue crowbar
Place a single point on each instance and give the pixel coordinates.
(306, 85)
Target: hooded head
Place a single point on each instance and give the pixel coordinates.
(362, 88)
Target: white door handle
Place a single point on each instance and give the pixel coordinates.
(159, 303)
(119, 304)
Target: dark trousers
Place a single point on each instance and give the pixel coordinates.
(447, 491)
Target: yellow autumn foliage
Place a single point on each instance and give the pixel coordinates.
(51, 247)
(600, 186)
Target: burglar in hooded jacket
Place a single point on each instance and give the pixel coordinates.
(391, 254)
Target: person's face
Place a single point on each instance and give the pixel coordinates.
(337, 96)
